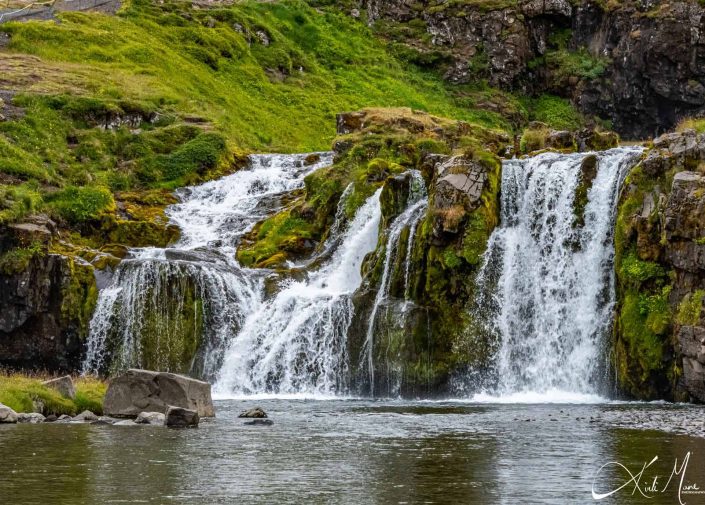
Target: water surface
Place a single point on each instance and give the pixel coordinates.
(361, 451)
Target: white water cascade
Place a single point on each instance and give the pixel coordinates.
(416, 206)
(296, 342)
(154, 293)
(547, 283)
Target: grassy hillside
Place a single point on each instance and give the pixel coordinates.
(181, 88)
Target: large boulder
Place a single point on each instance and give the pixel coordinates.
(176, 417)
(7, 415)
(64, 385)
(139, 391)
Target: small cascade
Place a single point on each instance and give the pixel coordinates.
(417, 203)
(546, 287)
(296, 343)
(162, 304)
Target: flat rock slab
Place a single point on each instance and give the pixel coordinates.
(138, 391)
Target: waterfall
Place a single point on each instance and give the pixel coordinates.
(417, 204)
(547, 284)
(163, 304)
(296, 343)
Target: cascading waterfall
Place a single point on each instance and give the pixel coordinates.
(296, 343)
(547, 281)
(162, 304)
(417, 204)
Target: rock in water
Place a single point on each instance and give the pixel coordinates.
(31, 418)
(7, 415)
(150, 418)
(177, 417)
(138, 391)
(64, 385)
(256, 413)
(86, 415)
(260, 422)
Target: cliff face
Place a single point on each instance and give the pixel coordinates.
(46, 302)
(638, 64)
(660, 262)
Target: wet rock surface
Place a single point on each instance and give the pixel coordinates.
(177, 417)
(45, 307)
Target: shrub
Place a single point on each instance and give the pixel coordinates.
(80, 204)
(533, 140)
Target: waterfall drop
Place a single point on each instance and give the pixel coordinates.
(416, 206)
(162, 304)
(296, 343)
(547, 284)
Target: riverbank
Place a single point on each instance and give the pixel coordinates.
(26, 393)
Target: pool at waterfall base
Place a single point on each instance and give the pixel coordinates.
(357, 451)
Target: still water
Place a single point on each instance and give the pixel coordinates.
(361, 451)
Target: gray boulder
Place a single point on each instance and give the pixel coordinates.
(64, 418)
(177, 417)
(86, 416)
(256, 413)
(150, 418)
(125, 422)
(7, 415)
(31, 418)
(139, 391)
(64, 385)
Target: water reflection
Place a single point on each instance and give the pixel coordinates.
(348, 452)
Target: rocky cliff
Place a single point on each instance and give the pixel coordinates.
(638, 64)
(660, 263)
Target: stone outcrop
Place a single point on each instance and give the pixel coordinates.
(45, 308)
(626, 69)
(138, 391)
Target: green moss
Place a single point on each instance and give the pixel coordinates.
(18, 259)
(79, 295)
(634, 272)
(690, 308)
(280, 233)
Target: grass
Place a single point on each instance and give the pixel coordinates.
(697, 124)
(161, 95)
(24, 393)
